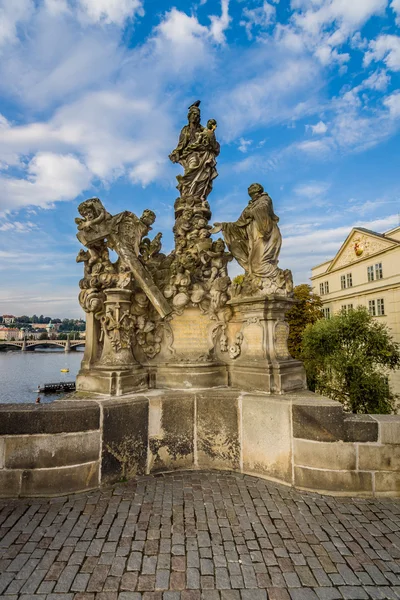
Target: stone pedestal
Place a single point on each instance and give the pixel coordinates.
(117, 372)
(263, 361)
(192, 362)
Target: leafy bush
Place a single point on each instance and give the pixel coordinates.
(349, 358)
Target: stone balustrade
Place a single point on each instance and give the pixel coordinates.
(298, 439)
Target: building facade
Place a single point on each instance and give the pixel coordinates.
(366, 272)
(8, 334)
(8, 319)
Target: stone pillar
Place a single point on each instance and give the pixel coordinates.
(23, 347)
(68, 345)
(257, 335)
(116, 372)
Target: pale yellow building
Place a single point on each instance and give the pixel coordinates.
(366, 272)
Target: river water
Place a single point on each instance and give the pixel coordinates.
(22, 372)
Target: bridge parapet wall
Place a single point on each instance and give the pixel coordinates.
(298, 439)
(50, 449)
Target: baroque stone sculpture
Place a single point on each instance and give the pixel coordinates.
(178, 320)
(255, 241)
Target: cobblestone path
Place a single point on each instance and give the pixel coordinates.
(198, 535)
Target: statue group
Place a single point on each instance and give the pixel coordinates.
(157, 320)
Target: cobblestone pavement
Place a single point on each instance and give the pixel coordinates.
(198, 535)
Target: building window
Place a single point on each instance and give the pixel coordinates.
(375, 272)
(346, 281)
(378, 271)
(347, 307)
(326, 287)
(376, 308)
(321, 289)
(327, 312)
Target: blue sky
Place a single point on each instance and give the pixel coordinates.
(93, 94)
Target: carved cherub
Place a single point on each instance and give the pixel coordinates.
(205, 137)
(93, 213)
(183, 225)
(217, 259)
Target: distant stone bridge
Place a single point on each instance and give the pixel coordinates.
(26, 345)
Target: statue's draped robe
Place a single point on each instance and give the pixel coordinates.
(198, 162)
(255, 239)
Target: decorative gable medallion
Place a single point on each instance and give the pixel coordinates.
(360, 245)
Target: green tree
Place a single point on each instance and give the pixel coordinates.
(306, 311)
(35, 319)
(23, 319)
(44, 336)
(350, 356)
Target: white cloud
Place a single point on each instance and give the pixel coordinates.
(17, 226)
(321, 148)
(395, 5)
(220, 24)
(12, 14)
(260, 17)
(57, 7)
(312, 189)
(319, 129)
(178, 37)
(51, 177)
(379, 80)
(392, 102)
(244, 144)
(386, 48)
(110, 11)
(324, 25)
(283, 90)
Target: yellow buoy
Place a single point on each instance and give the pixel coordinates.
(64, 370)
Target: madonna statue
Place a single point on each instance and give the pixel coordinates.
(196, 152)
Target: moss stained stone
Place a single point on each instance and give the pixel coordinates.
(125, 434)
(173, 448)
(218, 430)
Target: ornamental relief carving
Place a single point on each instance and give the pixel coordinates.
(358, 247)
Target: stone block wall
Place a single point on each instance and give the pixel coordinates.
(346, 454)
(48, 450)
(298, 439)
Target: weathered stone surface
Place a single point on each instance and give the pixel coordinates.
(2, 445)
(58, 417)
(324, 455)
(379, 458)
(10, 483)
(255, 241)
(46, 451)
(125, 436)
(266, 434)
(360, 428)
(191, 376)
(59, 481)
(323, 422)
(113, 382)
(172, 447)
(218, 443)
(389, 428)
(387, 483)
(338, 482)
